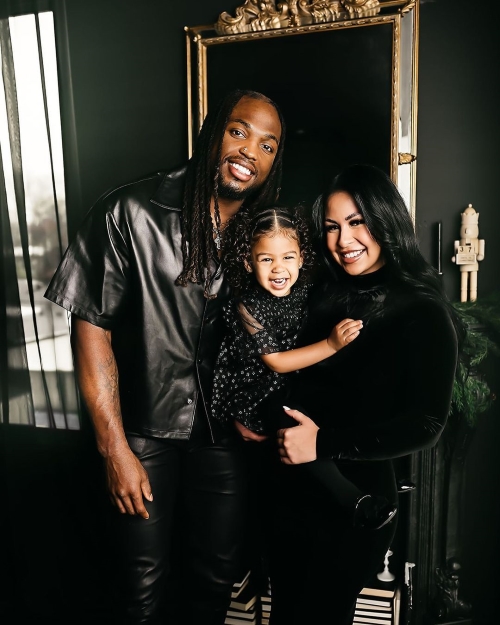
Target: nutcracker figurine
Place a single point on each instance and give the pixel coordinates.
(468, 251)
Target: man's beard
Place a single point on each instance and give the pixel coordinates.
(231, 190)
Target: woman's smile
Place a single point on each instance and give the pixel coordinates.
(352, 257)
(347, 237)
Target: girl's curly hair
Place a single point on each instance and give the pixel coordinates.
(247, 227)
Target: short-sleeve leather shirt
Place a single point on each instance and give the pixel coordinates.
(119, 274)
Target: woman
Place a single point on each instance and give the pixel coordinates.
(385, 395)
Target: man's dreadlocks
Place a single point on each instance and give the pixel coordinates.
(198, 250)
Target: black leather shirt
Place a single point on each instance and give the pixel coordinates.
(119, 274)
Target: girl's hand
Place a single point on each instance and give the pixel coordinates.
(248, 435)
(298, 444)
(343, 333)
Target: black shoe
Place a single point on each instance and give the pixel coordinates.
(373, 512)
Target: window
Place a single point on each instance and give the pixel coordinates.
(37, 384)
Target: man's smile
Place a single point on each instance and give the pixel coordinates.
(241, 170)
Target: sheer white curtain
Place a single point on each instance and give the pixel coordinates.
(36, 373)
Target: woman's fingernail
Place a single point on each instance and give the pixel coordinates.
(286, 408)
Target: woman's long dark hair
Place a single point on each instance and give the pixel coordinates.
(201, 185)
(388, 220)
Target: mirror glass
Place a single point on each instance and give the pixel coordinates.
(347, 90)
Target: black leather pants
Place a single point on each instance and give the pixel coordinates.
(178, 567)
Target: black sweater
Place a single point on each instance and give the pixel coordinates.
(386, 394)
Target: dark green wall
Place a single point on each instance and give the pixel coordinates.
(458, 132)
(128, 70)
(458, 135)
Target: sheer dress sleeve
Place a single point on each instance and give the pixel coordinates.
(265, 339)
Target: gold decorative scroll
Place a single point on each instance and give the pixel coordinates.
(259, 15)
(405, 158)
(409, 6)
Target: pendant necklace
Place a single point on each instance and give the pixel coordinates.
(217, 238)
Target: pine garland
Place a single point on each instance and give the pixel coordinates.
(472, 394)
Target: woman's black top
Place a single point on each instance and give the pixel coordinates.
(388, 393)
(257, 323)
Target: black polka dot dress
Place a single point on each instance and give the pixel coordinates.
(257, 323)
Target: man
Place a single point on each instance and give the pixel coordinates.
(144, 284)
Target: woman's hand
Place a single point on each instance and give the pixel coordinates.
(298, 444)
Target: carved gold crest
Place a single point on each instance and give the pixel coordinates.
(258, 15)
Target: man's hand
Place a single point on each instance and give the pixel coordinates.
(297, 445)
(128, 482)
(248, 435)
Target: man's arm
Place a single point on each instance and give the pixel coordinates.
(97, 375)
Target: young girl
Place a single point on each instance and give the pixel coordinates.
(267, 254)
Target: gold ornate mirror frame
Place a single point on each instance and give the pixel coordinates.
(284, 33)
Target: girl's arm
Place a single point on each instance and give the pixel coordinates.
(292, 360)
(342, 334)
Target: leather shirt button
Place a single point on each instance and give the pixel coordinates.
(189, 401)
